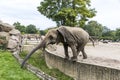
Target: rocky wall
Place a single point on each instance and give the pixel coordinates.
(81, 70)
(10, 37)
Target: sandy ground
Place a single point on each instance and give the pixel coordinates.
(107, 55)
(110, 50)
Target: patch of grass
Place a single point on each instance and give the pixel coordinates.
(37, 59)
(10, 68)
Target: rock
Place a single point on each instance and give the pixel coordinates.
(14, 32)
(12, 35)
(5, 35)
(13, 43)
(15, 40)
(5, 27)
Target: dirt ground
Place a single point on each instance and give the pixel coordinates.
(103, 54)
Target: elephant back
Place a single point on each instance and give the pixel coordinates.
(74, 34)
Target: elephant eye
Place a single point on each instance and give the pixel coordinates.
(51, 37)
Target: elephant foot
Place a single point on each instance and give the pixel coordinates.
(80, 55)
(84, 57)
(74, 59)
(66, 58)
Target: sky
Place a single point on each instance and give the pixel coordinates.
(25, 12)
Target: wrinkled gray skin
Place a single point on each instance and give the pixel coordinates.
(73, 37)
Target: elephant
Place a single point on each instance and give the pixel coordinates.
(74, 37)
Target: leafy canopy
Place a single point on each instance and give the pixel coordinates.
(20, 27)
(31, 29)
(94, 28)
(67, 12)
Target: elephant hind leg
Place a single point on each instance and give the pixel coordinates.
(81, 48)
(84, 54)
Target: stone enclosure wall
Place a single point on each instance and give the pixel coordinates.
(10, 37)
(81, 70)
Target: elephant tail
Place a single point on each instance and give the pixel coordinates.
(92, 41)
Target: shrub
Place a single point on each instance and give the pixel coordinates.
(3, 43)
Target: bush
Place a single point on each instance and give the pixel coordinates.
(3, 43)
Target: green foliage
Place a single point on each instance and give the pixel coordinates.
(42, 32)
(3, 43)
(94, 28)
(108, 34)
(10, 69)
(31, 29)
(20, 27)
(69, 13)
(38, 60)
(101, 32)
(118, 33)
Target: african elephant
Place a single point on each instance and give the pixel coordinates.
(73, 37)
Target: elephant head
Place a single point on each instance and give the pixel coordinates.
(50, 38)
(75, 38)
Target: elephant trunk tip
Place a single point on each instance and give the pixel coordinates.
(23, 64)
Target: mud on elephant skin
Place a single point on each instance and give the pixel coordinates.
(73, 37)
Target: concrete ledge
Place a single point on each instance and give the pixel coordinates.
(82, 70)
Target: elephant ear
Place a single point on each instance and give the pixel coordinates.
(66, 34)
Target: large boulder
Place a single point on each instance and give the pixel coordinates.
(14, 32)
(14, 42)
(5, 27)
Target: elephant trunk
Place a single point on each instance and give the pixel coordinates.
(41, 45)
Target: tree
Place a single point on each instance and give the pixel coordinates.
(118, 33)
(94, 28)
(20, 27)
(42, 32)
(108, 34)
(69, 13)
(31, 29)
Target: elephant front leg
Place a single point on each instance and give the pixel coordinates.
(74, 50)
(66, 51)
